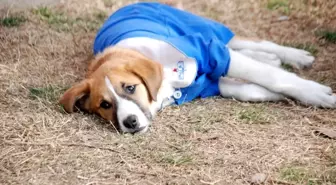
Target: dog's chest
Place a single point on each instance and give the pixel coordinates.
(179, 70)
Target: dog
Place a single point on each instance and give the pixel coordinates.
(151, 55)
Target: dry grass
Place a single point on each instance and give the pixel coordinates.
(213, 141)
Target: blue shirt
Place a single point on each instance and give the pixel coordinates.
(200, 38)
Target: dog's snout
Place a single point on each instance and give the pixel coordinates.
(131, 122)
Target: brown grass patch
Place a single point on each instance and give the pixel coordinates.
(213, 141)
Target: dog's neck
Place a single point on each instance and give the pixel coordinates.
(164, 97)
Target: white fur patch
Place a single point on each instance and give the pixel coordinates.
(126, 108)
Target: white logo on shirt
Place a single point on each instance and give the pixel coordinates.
(180, 70)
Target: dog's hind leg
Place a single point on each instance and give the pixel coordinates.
(230, 88)
(280, 81)
(295, 57)
(267, 58)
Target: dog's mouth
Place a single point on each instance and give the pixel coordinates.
(140, 130)
(123, 130)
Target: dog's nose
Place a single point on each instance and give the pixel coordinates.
(131, 122)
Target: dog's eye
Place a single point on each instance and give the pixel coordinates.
(130, 89)
(105, 105)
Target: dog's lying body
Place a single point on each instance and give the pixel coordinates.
(135, 74)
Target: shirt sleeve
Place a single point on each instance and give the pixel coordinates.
(213, 60)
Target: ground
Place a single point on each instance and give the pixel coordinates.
(44, 50)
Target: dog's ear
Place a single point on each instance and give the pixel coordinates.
(75, 96)
(151, 74)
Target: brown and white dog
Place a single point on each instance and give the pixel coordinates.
(127, 87)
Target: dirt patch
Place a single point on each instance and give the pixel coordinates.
(212, 141)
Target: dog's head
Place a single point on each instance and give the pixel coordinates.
(120, 86)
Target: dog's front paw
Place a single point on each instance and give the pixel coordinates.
(317, 95)
(320, 100)
(297, 58)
